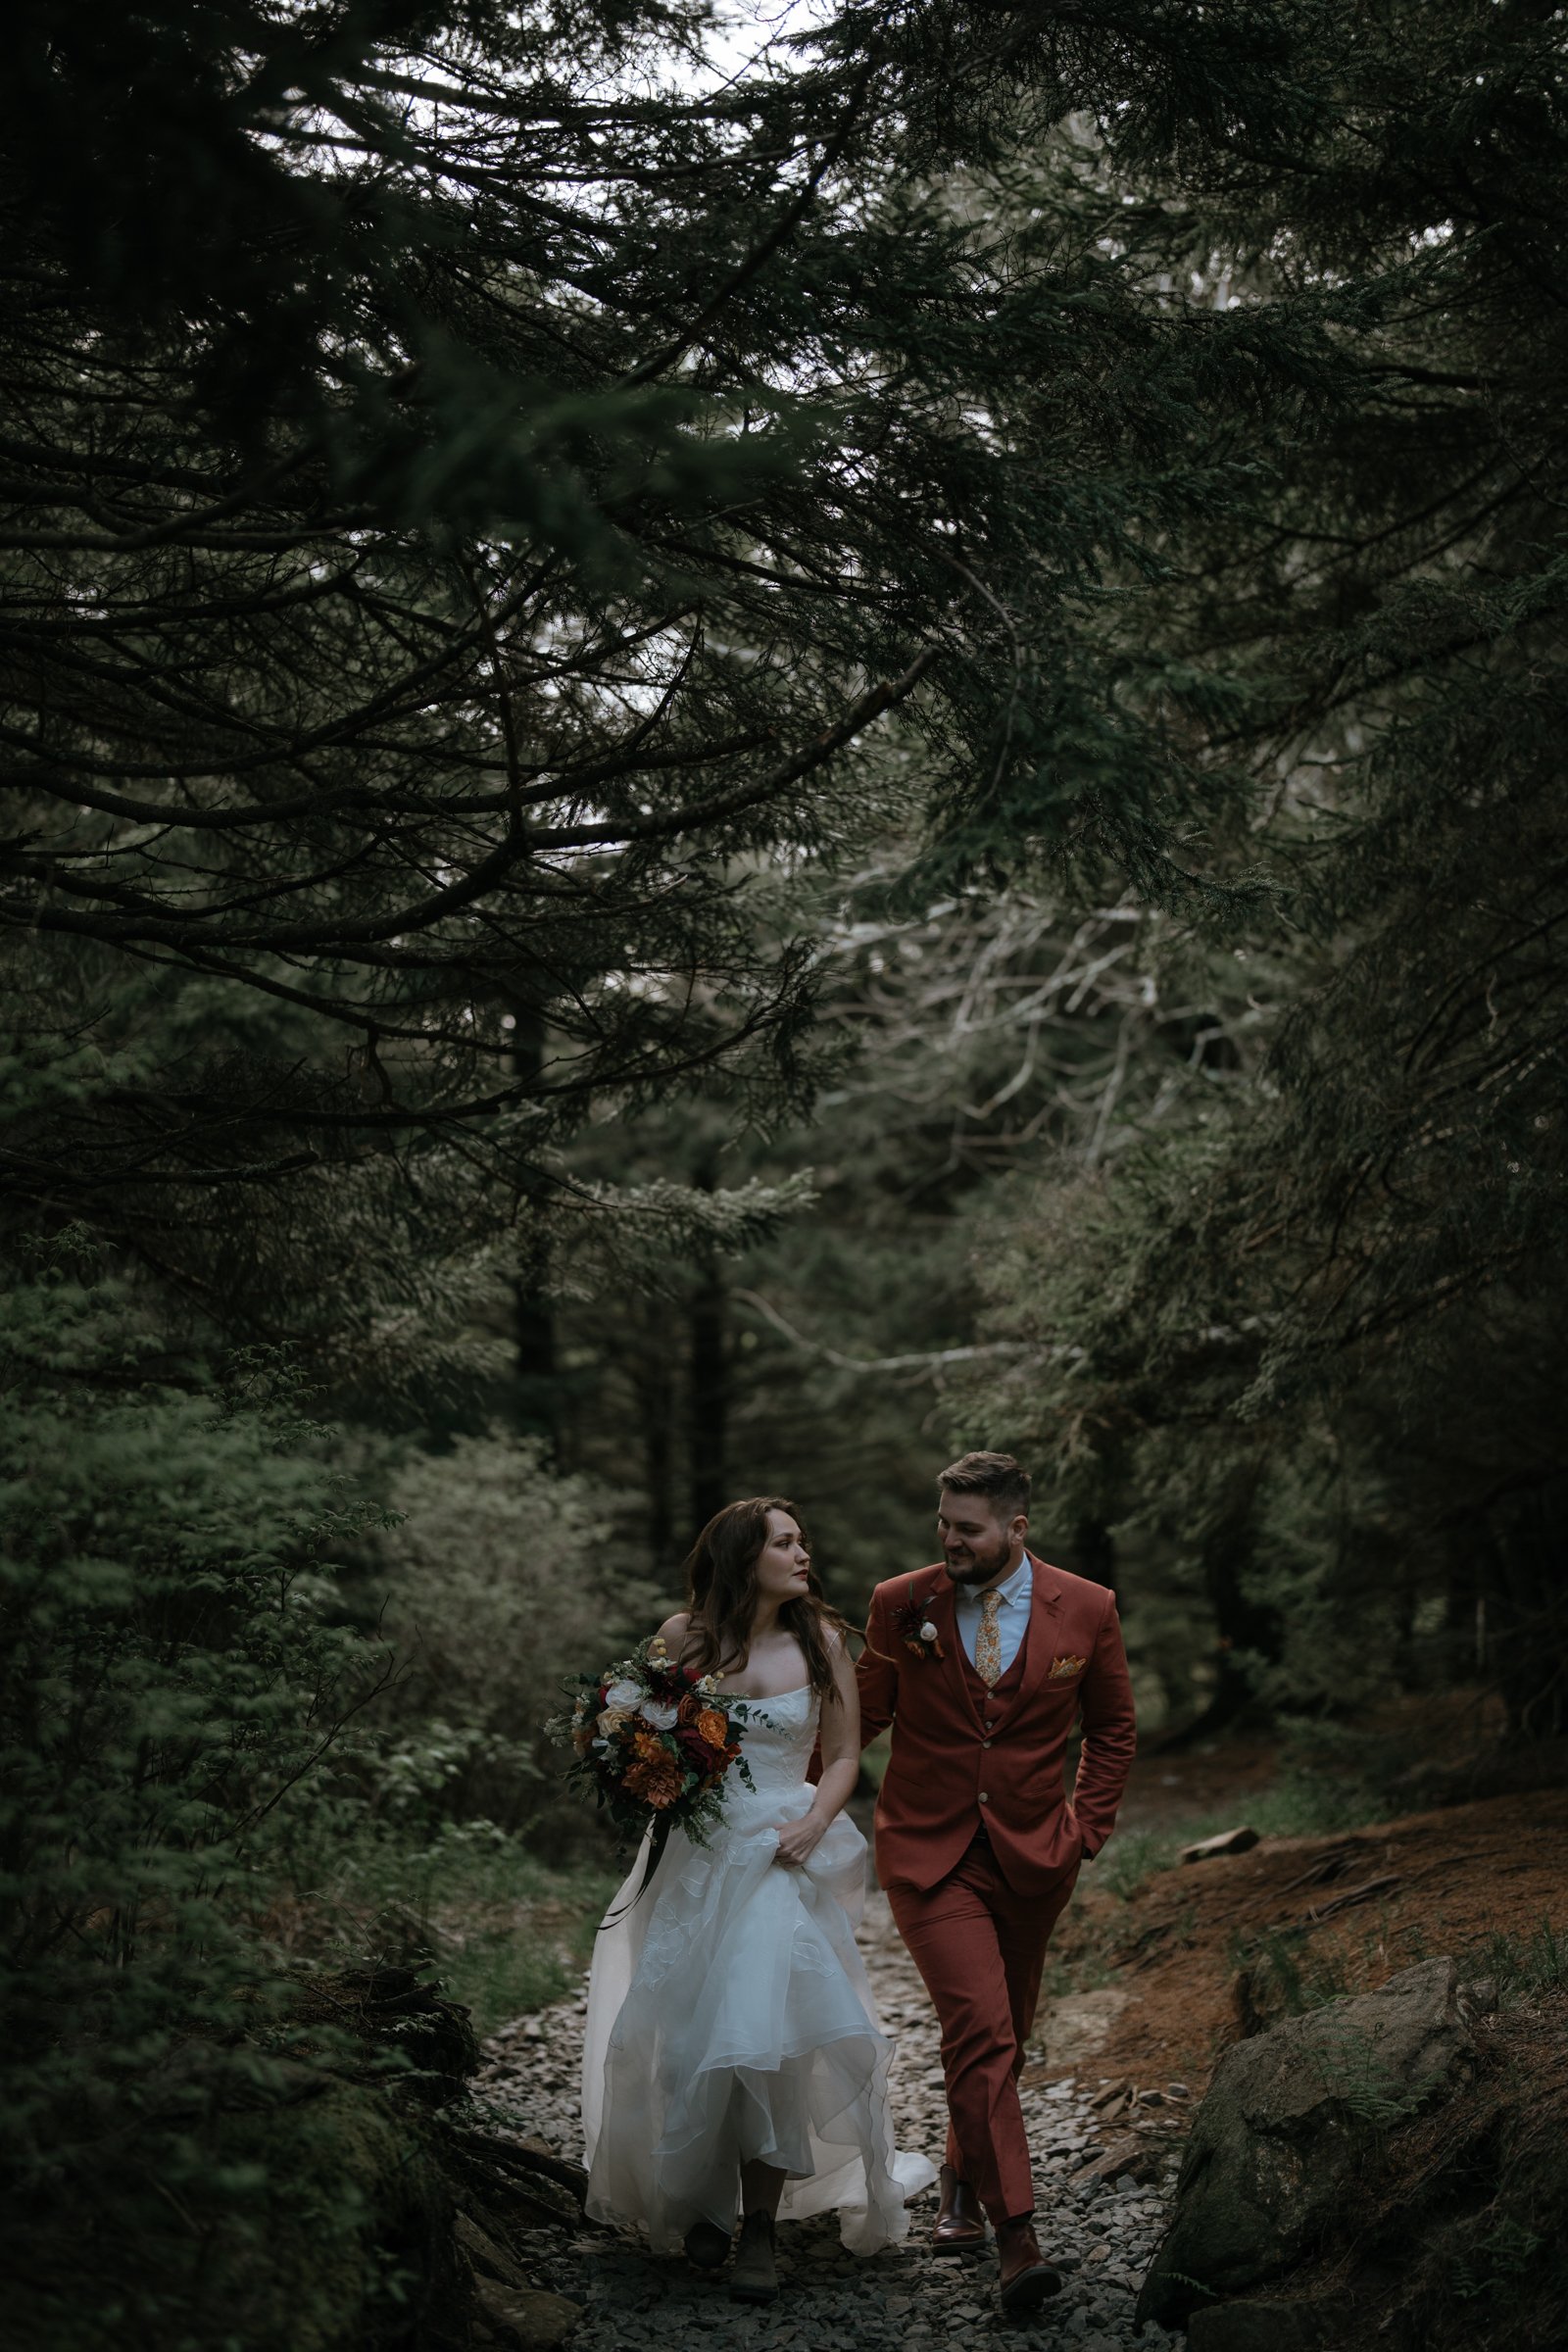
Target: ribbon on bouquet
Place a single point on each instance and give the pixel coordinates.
(657, 1839)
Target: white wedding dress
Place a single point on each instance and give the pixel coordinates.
(729, 2017)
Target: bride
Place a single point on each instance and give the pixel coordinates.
(733, 2055)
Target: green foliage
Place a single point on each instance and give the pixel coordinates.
(503, 1933)
(1357, 2073)
(173, 1674)
(1314, 1316)
(201, 1802)
(965, 1040)
(465, 549)
(1132, 1857)
(1000, 569)
(1286, 1973)
(1522, 1967)
(171, 1662)
(322, 2221)
(498, 1581)
(1494, 2263)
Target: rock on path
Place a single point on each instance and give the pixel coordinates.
(1100, 2222)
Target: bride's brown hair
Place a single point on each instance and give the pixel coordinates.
(721, 1595)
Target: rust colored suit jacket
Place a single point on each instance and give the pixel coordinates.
(963, 1756)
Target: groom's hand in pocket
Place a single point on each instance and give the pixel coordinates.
(799, 1839)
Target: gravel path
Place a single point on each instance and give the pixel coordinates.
(1104, 2156)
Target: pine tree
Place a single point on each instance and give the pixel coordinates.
(1320, 1322)
(475, 493)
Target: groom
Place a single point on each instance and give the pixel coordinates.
(982, 1665)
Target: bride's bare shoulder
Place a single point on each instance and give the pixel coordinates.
(685, 1637)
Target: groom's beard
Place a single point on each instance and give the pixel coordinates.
(977, 1569)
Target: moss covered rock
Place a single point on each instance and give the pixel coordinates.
(1288, 2118)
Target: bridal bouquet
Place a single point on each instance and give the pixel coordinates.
(653, 1742)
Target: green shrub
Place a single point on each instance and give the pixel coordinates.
(500, 1578)
(172, 1681)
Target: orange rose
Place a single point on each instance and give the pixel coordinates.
(713, 1728)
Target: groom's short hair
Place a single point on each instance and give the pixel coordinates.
(997, 1475)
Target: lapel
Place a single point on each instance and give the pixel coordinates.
(934, 1595)
(1043, 1606)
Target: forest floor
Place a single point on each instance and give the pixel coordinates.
(1155, 1971)
(1155, 1978)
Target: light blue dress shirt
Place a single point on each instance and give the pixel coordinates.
(1013, 1617)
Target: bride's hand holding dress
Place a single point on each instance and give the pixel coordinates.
(797, 1840)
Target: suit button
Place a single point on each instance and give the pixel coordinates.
(984, 1799)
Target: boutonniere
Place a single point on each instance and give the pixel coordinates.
(916, 1631)
(1062, 1668)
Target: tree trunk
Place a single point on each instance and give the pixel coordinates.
(708, 1401)
(1242, 1623)
(1094, 1554)
(653, 1412)
(538, 1394)
(1523, 1582)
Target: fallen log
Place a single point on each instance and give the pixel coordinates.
(1228, 1841)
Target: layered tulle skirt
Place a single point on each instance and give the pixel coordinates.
(730, 2018)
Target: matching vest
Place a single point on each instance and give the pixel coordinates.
(998, 1695)
(991, 1705)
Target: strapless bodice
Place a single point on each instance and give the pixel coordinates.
(777, 1737)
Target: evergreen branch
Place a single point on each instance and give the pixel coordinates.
(870, 706)
(928, 1360)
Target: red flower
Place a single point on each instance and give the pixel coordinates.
(699, 1754)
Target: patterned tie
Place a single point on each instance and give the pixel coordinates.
(988, 1641)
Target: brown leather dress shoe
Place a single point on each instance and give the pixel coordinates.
(960, 2225)
(1027, 2278)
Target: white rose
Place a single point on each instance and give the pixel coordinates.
(662, 1718)
(928, 1632)
(624, 1697)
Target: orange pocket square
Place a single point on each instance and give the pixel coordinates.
(1062, 1668)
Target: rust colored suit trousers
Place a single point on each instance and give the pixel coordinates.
(980, 1949)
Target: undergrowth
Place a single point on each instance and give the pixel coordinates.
(1301, 1804)
(503, 1933)
(1521, 1966)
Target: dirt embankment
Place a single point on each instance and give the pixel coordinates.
(1205, 1952)
(1456, 2240)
